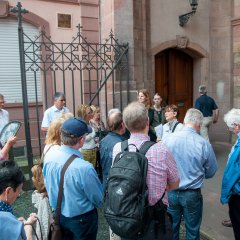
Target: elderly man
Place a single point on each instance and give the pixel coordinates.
(82, 192)
(209, 109)
(54, 111)
(162, 171)
(195, 160)
(117, 129)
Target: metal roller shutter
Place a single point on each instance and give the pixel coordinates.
(10, 76)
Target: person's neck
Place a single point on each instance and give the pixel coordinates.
(76, 146)
(97, 121)
(192, 125)
(157, 107)
(144, 131)
(119, 132)
(59, 108)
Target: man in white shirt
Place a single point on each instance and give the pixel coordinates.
(4, 115)
(54, 111)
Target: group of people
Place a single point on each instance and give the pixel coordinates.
(178, 162)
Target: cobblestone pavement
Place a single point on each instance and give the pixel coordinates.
(23, 207)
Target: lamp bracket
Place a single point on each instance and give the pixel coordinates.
(183, 19)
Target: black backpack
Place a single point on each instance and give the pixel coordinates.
(126, 198)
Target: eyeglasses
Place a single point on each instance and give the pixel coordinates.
(62, 100)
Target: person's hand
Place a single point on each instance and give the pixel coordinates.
(12, 140)
(32, 219)
(22, 219)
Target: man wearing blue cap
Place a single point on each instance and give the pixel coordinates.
(82, 191)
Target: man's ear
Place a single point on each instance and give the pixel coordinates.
(175, 114)
(148, 122)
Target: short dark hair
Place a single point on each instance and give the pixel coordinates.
(10, 175)
(172, 107)
(57, 95)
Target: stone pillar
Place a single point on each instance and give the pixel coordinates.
(220, 84)
(128, 20)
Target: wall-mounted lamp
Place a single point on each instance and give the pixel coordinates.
(183, 19)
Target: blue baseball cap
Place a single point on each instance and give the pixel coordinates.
(75, 127)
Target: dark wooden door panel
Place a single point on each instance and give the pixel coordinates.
(174, 74)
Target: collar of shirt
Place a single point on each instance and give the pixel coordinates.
(139, 137)
(172, 123)
(71, 150)
(5, 207)
(189, 129)
(115, 134)
(55, 109)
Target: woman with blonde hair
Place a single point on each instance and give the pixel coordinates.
(54, 136)
(144, 98)
(39, 197)
(89, 148)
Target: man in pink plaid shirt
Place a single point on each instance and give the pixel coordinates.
(162, 173)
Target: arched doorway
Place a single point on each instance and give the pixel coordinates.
(174, 79)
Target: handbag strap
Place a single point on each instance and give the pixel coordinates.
(44, 154)
(60, 192)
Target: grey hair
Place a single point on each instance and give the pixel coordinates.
(202, 89)
(193, 116)
(67, 140)
(135, 116)
(57, 95)
(113, 110)
(232, 117)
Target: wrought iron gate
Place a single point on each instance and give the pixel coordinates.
(88, 73)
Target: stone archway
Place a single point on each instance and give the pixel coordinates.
(179, 66)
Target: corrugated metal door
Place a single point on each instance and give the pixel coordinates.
(10, 75)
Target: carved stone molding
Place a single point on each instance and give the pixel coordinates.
(182, 41)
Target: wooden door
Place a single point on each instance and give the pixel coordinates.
(174, 79)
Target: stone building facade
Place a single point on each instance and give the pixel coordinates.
(175, 60)
(164, 57)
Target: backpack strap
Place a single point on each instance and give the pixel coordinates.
(124, 145)
(145, 146)
(175, 126)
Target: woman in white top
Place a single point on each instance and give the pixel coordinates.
(172, 125)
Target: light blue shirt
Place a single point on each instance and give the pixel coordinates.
(194, 156)
(231, 175)
(50, 114)
(82, 190)
(10, 227)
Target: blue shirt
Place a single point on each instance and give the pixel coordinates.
(206, 105)
(82, 190)
(50, 114)
(10, 227)
(106, 149)
(194, 156)
(231, 175)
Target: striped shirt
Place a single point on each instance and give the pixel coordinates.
(162, 168)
